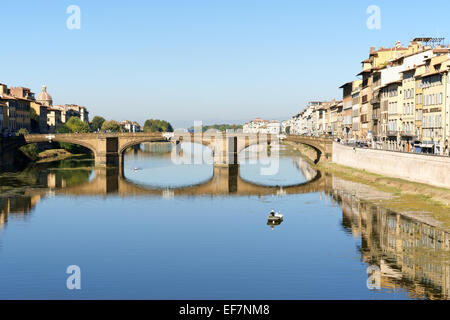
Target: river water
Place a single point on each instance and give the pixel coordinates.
(161, 230)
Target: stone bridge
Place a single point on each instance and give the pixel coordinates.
(322, 146)
(108, 148)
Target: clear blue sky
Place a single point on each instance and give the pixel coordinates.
(201, 60)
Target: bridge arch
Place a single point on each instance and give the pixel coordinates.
(318, 150)
(250, 144)
(20, 141)
(322, 146)
(128, 144)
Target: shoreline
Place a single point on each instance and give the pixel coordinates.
(55, 155)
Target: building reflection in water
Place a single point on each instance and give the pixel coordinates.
(40, 183)
(305, 168)
(20, 206)
(410, 255)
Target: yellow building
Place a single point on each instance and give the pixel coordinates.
(53, 119)
(377, 60)
(371, 122)
(420, 70)
(17, 114)
(356, 100)
(41, 111)
(407, 119)
(3, 108)
(433, 83)
(391, 99)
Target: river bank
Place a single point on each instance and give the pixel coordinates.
(56, 155)
(405, 197)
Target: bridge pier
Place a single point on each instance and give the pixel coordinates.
(106, 180)
(225, 178)
(227, 152)
(107, 153)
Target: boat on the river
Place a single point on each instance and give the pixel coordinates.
(274, 219)
(278, 217)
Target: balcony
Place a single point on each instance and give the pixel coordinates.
(375, 100)
(407, 133)
(392, 133)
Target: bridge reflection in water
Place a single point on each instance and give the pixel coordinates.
(226, 180)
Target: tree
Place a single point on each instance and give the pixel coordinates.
(34, 120)
(97, 122)
(22, 132)
(30, 150)
(220, 127)
(63, 129)
(66, 128)
(155, 125)
(76, 125)
(111, 125)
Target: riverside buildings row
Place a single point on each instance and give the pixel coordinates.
(401, 101)
(17, 103)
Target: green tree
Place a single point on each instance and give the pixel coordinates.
(63, 129)
(22, 132)
(72, 148)
(155, 125)
(76, 125)
(34, 120)
(220, 127)
(29, 150)
(97, 122)
(111, 125)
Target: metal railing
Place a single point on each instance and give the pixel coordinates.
(375, 145)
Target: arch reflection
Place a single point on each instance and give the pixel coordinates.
(154, 165)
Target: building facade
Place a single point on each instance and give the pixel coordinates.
(401, 102)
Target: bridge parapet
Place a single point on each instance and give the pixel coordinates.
(323, 146)
(225, 146)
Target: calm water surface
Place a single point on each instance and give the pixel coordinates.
(159, 233)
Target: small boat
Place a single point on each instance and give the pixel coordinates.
(135, 169)
(274, 219)
(275, 216)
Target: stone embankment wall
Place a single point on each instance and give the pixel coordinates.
(432, 170)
